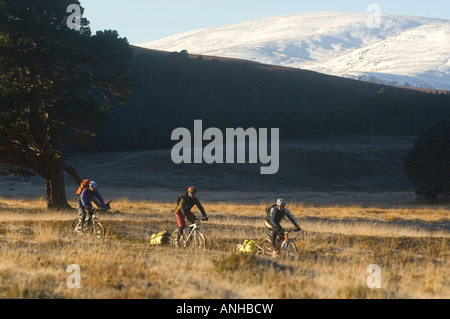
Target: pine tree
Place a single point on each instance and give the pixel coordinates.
(55, 82)
(428, 164)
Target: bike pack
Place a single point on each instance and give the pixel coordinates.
(160, 238)
(179, 198)
(84, 184)
(249, 246)
(268, 209)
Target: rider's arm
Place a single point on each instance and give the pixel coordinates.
(202, 210)
(291, 218)
(100, 199)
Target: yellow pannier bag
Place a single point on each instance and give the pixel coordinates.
(249, 246)
(160, 238)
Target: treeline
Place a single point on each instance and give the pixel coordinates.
(173, 89)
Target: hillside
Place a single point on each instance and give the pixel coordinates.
(395, 53)
(343, 83)
(174, 89)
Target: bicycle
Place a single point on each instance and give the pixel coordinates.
(287, 247)
(91, 224)
(190, 234)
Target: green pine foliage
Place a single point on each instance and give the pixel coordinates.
(55, 83)
(428, 164)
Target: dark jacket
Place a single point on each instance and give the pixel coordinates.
(276, 215)
(87, 196)
(186, 204)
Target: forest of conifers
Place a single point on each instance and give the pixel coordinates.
(174, 89)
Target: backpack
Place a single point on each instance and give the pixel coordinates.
(268, 209)
(249, 246)
(84, 184)
(161, 238)
(179, 198)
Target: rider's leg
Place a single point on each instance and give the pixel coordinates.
(276, 236)
(89, 221)
(81, 211)
(190, 217)
(181, 223)
(83, 217)
(274, 239)
(79, 206)
(273, 233)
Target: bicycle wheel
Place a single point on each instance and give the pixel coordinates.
(76, 226)
(199, 241)
(174, 238)
(267, 248)
(98, 230)
(291, 249)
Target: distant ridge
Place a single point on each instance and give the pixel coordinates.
(404, 51)
(370, 86)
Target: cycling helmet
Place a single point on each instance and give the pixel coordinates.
(192, 189)
(281, 202)
(93, 185)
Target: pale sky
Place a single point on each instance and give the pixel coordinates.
(147, 20)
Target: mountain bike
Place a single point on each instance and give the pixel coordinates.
(91, 223)
(190, 234)
(286, 246)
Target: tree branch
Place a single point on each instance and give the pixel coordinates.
(72, 172)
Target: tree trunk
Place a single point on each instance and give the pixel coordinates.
(55, 188)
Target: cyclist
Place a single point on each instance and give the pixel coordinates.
(183, 210)
(87, 196)
(274, 215)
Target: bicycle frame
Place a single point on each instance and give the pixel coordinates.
(284, 244)
(91, 217)
(285, 240)
(92, 212)
(186, 236)
(191, 232)
(90, 222)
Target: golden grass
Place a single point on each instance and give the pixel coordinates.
(411, 246)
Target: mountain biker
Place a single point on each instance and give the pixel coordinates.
(87, 196)
(184, 207)
(273, 218)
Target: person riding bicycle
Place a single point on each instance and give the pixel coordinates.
(183, 210)
(87, 196)
(274, 215)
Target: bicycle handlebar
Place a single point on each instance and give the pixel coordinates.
(96, 210)
(197, 220)
(99, 210)
(293, 230)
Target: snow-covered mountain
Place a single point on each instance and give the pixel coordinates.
(404, 50)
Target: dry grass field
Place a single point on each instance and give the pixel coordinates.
(349, 194)
(409, 244)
